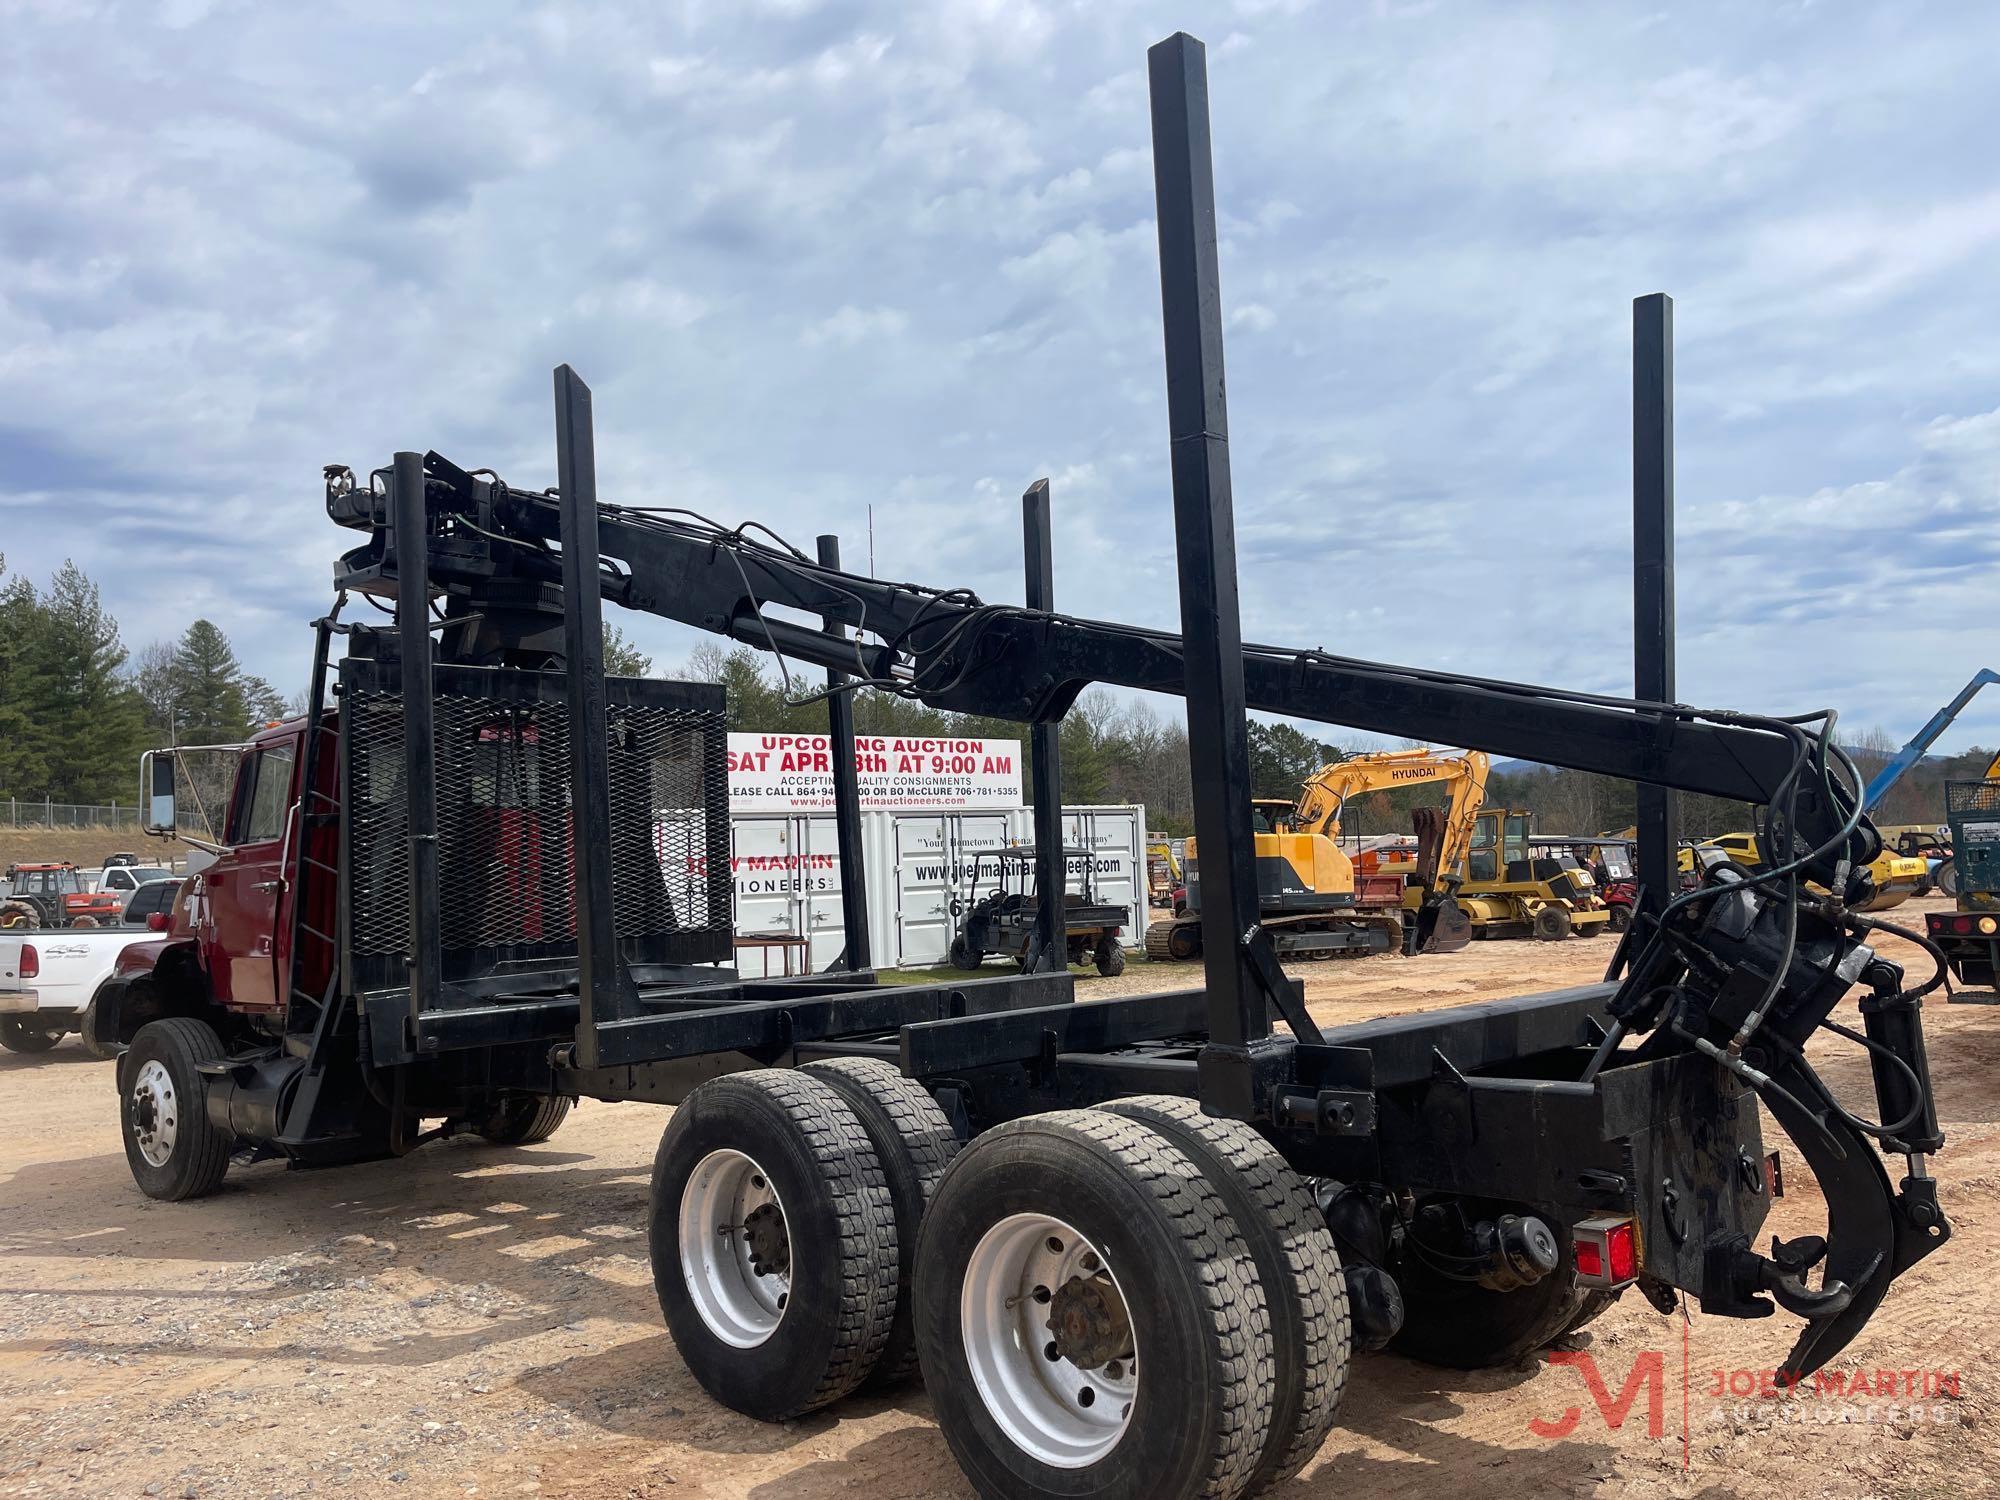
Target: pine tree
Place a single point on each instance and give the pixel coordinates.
(622, 656)
(86, 705)
(210, 705)
(23, 763)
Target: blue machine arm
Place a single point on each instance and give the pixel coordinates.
(1910, 754)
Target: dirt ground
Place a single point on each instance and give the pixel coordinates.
(473, 1321)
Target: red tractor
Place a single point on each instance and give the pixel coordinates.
(54, 895)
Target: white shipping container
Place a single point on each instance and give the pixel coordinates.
(786, 877)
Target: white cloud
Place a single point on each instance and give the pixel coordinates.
(856, 325)
(815, 258)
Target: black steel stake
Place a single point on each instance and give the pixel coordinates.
(1048, 948)
(854, 952)
(1653, 572)
(1242, 1059)
(413, 639)
(603, 986)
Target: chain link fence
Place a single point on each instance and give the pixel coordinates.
(41, 812)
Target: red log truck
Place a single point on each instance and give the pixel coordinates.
(1132, 1244)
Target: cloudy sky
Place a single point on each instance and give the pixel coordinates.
(817, 257)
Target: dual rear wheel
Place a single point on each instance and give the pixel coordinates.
(1131, 1301)
(1136, 1300)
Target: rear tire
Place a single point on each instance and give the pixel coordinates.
(174, 1151)
(767, 1331)
(1112, 1219)
(524, 1120)
(1945, 878)
(19, 916)
(961, 955)
(914, 1141)
(1551, 924)
(16, 1035)
(1110, 958)
(1296, 1263)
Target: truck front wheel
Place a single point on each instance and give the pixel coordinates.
(175, 1152)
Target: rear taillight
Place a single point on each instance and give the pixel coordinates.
(1961, 924)
(158, 922)
(1606, 1252)
(31, 961)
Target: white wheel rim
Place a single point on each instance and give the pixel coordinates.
(155, 1113)
(740, 1295)
(1052, 1408)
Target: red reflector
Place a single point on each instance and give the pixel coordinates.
(1624, 1252)
(1606, 1251)
(31, 961)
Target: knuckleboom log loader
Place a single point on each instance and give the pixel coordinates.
(1131, 1244)
(1310, 898)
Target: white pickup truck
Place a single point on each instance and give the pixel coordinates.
(48, 979)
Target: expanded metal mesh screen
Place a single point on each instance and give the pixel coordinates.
(1972, 796)
(506, 854)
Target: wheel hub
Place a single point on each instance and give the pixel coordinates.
(1089, 1322)
(735, 1248)
(155, 1114)
(770, 1245)
(1048, 1340)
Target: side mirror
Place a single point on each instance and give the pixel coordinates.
(156, 791)
(159, 921)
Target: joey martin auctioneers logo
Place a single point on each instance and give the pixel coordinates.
(1736, 1399)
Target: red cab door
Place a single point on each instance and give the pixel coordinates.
(242, 888)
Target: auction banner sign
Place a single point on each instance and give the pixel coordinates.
(773, 773)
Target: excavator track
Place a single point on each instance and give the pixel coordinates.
(1160, 937)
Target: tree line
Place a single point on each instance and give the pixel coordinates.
(77, 707)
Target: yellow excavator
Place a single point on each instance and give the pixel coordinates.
(1309, 897)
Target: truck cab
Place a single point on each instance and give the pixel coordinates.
(228, 952)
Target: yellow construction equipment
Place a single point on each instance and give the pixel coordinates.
(1163, 871)
(1510, 891)
(1309, 897)
(1897, 876)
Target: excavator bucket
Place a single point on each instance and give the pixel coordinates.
(1442, 925)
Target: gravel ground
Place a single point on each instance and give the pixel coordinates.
(476, 1321)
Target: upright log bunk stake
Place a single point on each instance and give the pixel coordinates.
(413, 640)
(1243, 1062)
(1653, 572)
(1048, 948)
(604, 989)
(855, 952)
